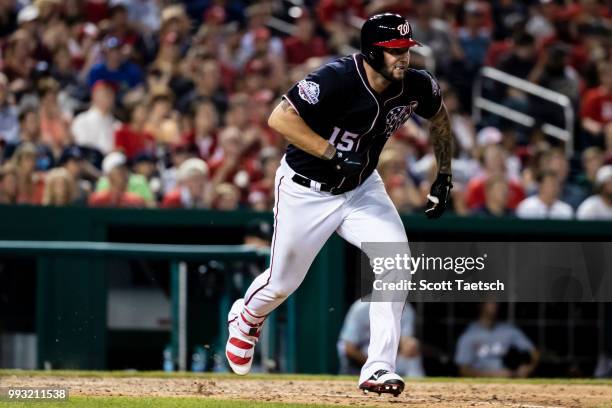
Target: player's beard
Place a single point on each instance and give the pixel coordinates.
(388, 72)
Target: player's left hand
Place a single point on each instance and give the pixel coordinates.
(438, 195)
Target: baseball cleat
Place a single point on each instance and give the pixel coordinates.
(243, 335)
(383, 382)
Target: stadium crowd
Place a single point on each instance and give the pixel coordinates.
(144, 103)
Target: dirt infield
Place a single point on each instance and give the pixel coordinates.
(333, 392)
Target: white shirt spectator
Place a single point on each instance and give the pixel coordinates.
(594, 208)
(144, 12)
(9, 124)
(95, 129)
(533, 207)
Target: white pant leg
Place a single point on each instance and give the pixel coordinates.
(370, 216)
(303, 221)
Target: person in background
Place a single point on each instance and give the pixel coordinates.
(556, 161)
(193, 188)
(496, 198)
(355, 338)
(60, 188)
(115, 169)
(592, 159)
(122, 74)
(8, 184)
(95, 128)
(137, 184)
(132, 138)
(226, 197)
(30, 184)
(596, 107)
(599, 206)
(546, 204)
(79, 170)
(490, 348)
(261, 192)
(9, 124)
(54, 124)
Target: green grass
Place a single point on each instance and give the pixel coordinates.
(291, 377)
(158, 402)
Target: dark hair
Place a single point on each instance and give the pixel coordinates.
(25, 112)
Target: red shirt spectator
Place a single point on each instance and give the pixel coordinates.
(109, 199)
(597, 105)
(330, 10)
(132, 141)
(475, 196)
(303, 44)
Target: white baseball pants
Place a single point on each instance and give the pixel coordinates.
(303, 221)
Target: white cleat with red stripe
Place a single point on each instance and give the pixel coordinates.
(244, 328)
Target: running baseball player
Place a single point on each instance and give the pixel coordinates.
(337, 120)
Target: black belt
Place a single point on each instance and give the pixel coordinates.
(306, 182)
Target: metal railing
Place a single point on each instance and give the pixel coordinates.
(481, 103)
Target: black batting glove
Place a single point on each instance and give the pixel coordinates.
(346, 163)
(438, 195)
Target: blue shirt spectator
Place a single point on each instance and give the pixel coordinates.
(124, 75)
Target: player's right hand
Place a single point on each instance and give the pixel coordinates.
(347, 163)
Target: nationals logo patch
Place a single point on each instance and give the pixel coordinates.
(397, 117)
(309, 91)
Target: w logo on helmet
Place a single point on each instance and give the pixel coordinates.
(404, 29)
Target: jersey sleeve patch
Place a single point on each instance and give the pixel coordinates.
(309, 91)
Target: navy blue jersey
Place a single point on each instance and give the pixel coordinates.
(337, 102)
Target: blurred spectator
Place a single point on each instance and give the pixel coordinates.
(521, 59)
(599, 206)
(115, 169)
(556, 161)
(203, 134)
(554, 72)
(163, 122)
(193, 188)
(8, 184)
(540, 22)
(546, 204)
(596, 107)
(400, 186)
(138, 184)
(489, 348)
(261, 192)
(95, 128)
(122, 74)
(178, 154)
(30, 184)
(60, 188)
(144, 15)
(494, 164)
(73, 161)
(435, 33)
(207, 87)
(592, 160)
(474, 36)
(230, 164)
(304, 43)
(337, 18)
(54, 124)
(226, 197)
(9, 124)
(29, 132)
(354, 340)
(496, 198)
(132, 138)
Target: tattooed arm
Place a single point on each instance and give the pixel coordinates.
(286, 121)
(442, 140)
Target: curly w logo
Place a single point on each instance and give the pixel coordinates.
(403, 28)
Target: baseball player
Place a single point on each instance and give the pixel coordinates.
(337, 120)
